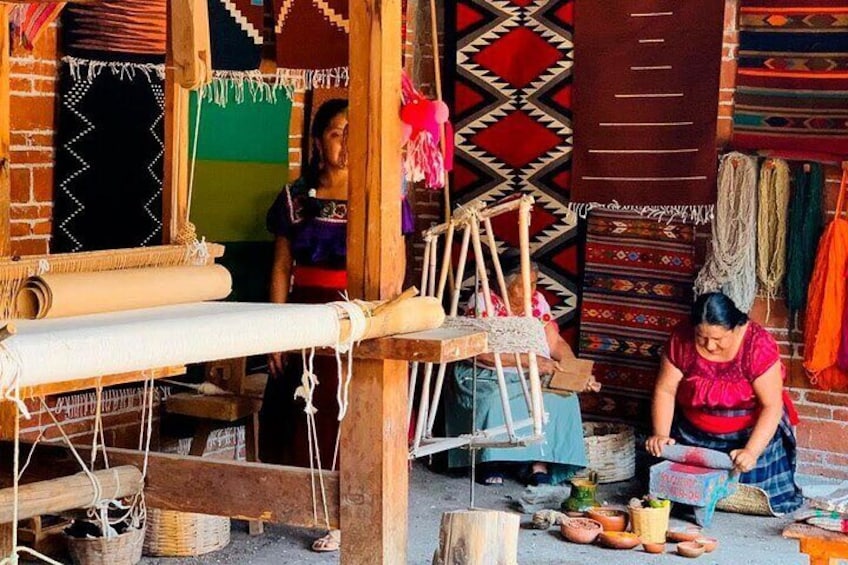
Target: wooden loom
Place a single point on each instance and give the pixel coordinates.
(369, 493)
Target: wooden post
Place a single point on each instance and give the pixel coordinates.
(374, 476)
(478, 537)
(5, 131)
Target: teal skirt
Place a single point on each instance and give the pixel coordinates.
(562, 449)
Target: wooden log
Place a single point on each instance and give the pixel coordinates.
(478, 537)
(68, 493)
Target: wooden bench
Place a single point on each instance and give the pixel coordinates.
(822, 546)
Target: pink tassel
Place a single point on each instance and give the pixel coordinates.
(424, 161)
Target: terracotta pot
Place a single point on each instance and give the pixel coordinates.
(580, 530)
(709, 544)
(685, 533)
(654, 547)
(690, 549)
(619, 540)
(612, 519)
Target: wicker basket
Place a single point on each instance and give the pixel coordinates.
(650, 524)
(747, 499)
(122, 550)
(183, 534)
(611, 451)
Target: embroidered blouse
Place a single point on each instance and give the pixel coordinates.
(477, 307)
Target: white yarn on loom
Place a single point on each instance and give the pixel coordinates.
(507, 334)
(731, 266)
(772, 218)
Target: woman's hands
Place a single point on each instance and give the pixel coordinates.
(743, 460)
(655, 444)
(546, 366)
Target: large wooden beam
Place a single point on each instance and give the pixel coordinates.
(374, 473)
(67, 493)
(5, 132)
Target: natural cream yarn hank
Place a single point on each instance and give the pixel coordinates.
(772, 221)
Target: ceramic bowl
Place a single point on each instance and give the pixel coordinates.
(580, 530)
(654, 547)
(619, 540)
(709, 543)
(690, 549)
(683, 533)
(612, 519)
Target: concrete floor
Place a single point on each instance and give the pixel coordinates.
(743, 540)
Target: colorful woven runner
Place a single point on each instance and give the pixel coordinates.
(512, 98)
(637, 286)
(792, 78)
(645, 99)
(30, 20)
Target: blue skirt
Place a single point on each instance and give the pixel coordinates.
(562, 449)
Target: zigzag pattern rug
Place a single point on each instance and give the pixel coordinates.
(637, 286)
(512, 98)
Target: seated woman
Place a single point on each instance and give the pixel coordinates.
(724, 375)
(562, 452)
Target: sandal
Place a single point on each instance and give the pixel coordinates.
(331, 542)
(493, 479)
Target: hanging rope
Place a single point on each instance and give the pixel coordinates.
(731, 266)
(772, 228)
(805, 226)
(188, 232)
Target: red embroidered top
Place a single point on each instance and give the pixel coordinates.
(477, 307)
(718, 396)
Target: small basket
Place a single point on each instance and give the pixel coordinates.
(125, 549)
(747, 499)
(650, 524)
(184, 534)
(610, 450)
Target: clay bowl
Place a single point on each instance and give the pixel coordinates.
(654, 547)
(612, 519)
(690, 549)
(580, 530)
(709, 544)
(619, 540)
(685, 533)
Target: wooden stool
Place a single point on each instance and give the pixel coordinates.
(219, 411)
(824, 547)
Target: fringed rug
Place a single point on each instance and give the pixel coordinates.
(637, 286)
(109, 149)
(123, 31)
(645, 106)
(512, 99)
(792, 77)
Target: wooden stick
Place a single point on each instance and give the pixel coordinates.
(68, 493)
(446, 262)
(524, 248)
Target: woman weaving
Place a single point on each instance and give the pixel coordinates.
(724, 375)
(562, 451)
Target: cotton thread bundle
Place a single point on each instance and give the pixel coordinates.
(771, 227)
(805, 225)
(731, 266)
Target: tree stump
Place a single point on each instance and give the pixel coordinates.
(478, 537)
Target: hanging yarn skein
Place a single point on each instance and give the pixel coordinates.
(771, 226)
(805, 226)
(731, 266)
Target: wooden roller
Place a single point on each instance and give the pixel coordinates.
(399, 316)
(68, 493)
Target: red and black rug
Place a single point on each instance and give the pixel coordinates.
(512, 108)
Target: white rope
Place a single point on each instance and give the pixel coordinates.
(731, 266)
(193, 156)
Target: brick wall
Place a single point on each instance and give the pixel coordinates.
(33, 100)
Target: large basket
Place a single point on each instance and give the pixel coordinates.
(125, 549)
(611, 450)
(650, 524)
(184, 534)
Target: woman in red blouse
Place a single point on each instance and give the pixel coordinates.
(720, 386)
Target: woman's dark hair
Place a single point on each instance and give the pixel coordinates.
(717, 309)
(323, 117)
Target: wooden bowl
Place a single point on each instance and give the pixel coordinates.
(612, 519)
(654, 547)
(709, 544)
(690, 549)
(619, 540)
(685, 533)
(580, 530)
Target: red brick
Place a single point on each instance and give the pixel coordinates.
(42, 184)
(32, 112)
(33, 139)
(29, 246)
(19, 229)
(840, 414)
(21, 84)
(836, 460)
(814, 411)
(810, 456)
(795, 394)
(823, 471)
(30, 212)
(823, 435)
(43, 228)
(830, 398)
(45, 85)
(32, 156)
(21, 184)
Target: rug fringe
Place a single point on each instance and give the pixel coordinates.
(303, 79)
(90, 69)
(695, 214)
(258, 86)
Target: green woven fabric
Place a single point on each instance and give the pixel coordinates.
(805, 226)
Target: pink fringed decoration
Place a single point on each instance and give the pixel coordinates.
(424, 161)
(422, 122)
